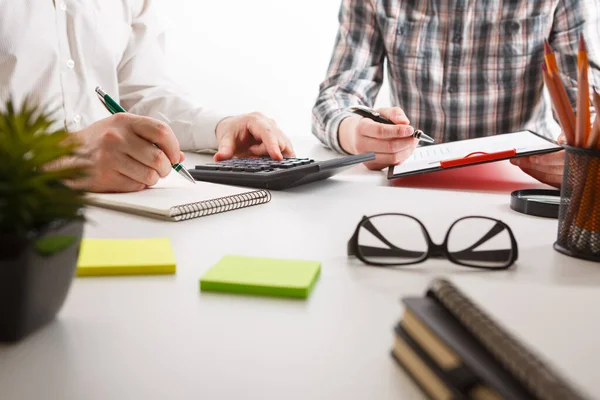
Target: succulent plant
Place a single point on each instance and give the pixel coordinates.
(34, 193)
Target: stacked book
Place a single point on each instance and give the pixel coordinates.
(453, 350)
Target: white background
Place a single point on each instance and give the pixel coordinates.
(253, 55)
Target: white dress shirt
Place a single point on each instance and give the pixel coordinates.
(58, 51)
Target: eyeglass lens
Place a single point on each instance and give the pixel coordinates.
(397, 239)
(391, 239)
(480, 242)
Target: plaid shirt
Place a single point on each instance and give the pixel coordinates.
(459, 69)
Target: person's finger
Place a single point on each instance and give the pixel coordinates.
(548, 178)
(549, 169)
(386, 146)
(160, 133)
(393, 159)
(557, 158)
(375, 166)
(115, 183)
(181, 156)
(260, 149)
(370, 128)
(288, 150)
(148, 154)
(257, 149)
(394, 114)
(263, 129)
(226, 147)
(136, 171)
(555, 161)
(285, 145)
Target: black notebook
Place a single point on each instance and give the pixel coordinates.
(469, 349)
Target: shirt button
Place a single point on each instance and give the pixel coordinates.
(70, 63)
(77, 118)
(63, 6)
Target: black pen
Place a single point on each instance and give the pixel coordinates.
(375, 116)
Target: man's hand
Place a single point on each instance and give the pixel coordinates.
(392, 144)
(120, 154)
(251, 135)
(547, 168)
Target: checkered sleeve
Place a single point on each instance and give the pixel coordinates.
(572, 18)
(355, 72)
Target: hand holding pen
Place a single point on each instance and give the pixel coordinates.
(119, 154)
(386, 132)
(377, 117)
(115, 108)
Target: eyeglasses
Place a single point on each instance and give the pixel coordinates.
(399, 239)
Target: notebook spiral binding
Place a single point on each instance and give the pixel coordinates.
(535, 375)
(221, 204)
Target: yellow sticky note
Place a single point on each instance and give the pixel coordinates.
(99, 257)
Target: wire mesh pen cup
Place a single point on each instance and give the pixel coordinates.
(579, 213)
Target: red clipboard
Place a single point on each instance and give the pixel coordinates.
(432, 158)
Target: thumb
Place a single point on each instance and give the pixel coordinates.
(395, 114)
(181, 156)
(226, 148)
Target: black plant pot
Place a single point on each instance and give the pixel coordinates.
(35, 277)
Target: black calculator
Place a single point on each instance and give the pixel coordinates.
(267, 173)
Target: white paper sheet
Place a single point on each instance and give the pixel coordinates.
(429, 157)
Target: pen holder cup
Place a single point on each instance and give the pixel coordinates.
(579, 212)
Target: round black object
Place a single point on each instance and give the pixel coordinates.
(538, 202)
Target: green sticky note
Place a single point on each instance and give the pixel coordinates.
(98, 257)
(262, 276)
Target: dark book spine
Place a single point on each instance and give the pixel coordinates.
(534, 374)
(458, 381)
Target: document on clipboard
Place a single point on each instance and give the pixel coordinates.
(463, 153)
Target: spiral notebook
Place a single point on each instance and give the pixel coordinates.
(175, 199)
(473, 349)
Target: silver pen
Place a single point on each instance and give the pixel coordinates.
(375, 116)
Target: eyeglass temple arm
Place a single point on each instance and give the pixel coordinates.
(496, 229)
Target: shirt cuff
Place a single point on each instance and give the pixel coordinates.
(332, 129)
(204, 131)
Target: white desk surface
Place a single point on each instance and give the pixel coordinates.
(161, 338)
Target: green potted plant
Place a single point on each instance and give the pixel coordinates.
(41, 219)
